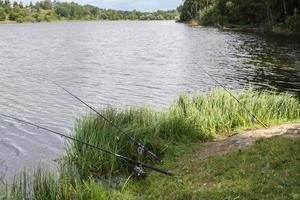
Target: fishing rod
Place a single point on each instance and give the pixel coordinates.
(142, 149)
(138, 166)
(254, 117)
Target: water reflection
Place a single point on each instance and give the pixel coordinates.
(275, 62)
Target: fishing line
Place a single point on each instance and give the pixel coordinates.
(141, 147)
(254, 117)
(138, 165)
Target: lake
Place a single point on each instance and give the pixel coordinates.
(121, 63)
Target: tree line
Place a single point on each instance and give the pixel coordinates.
(260, 13)
(48, 10)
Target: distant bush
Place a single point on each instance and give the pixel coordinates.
(12, 16)
(28, 19)
(50, 16)
(2, 14)
(206, 16)
(38, 17)
(293, 23)
(20, 20)
(17, 14)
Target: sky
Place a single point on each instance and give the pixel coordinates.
(141, 5)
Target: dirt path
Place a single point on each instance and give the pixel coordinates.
(226, 144)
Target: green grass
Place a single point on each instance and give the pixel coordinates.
(88, 174)
(44, 185)
(191, 118)
(267, 170)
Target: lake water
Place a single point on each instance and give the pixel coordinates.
(120, 63)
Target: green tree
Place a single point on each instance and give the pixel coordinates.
(241, 12)
(74, 11)
(2, 14)
(15, 4)
(46, 4)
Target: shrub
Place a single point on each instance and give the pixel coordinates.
(206, 16)
(12, 16)
(2, 14)
(293, 23)
(38, 17)
(20, 20)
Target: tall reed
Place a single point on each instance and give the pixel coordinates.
(192, 117)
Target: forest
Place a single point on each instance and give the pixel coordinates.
(272, 15)
(56, 11)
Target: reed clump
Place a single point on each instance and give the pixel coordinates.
(45, 185)
(192, 117)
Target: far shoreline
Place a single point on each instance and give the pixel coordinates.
(245, 29)
(7, 22)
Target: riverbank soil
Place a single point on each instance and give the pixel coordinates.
(224, 144)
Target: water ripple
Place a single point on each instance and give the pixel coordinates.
(118, 64)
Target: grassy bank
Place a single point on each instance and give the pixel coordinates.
(192, 119)
(267, 170)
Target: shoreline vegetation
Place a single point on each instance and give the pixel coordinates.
(261, 16)
(174, 133)
(50, 11)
